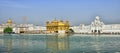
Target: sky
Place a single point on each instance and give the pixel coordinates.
(76, 11)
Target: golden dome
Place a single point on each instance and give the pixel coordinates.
(67, 21)
(61, 20)
(47, 22)
(9, 21)
(55, 21)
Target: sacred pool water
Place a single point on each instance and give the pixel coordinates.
(75, 43)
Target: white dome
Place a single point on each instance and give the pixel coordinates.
(97, 17)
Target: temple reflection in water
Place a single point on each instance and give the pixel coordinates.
(45, 44)
(57, 44)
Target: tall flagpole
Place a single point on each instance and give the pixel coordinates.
(24, 19)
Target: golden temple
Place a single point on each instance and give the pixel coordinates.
(56, 26)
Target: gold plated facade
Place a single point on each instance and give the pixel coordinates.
(55, 25)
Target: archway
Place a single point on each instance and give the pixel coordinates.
(99, 31)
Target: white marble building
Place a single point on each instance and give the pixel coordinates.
(97, 26)
(28, 28)
(21, 28)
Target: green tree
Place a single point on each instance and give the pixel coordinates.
(8, 30)
(71, 30)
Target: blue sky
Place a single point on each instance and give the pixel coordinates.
(76, 11)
